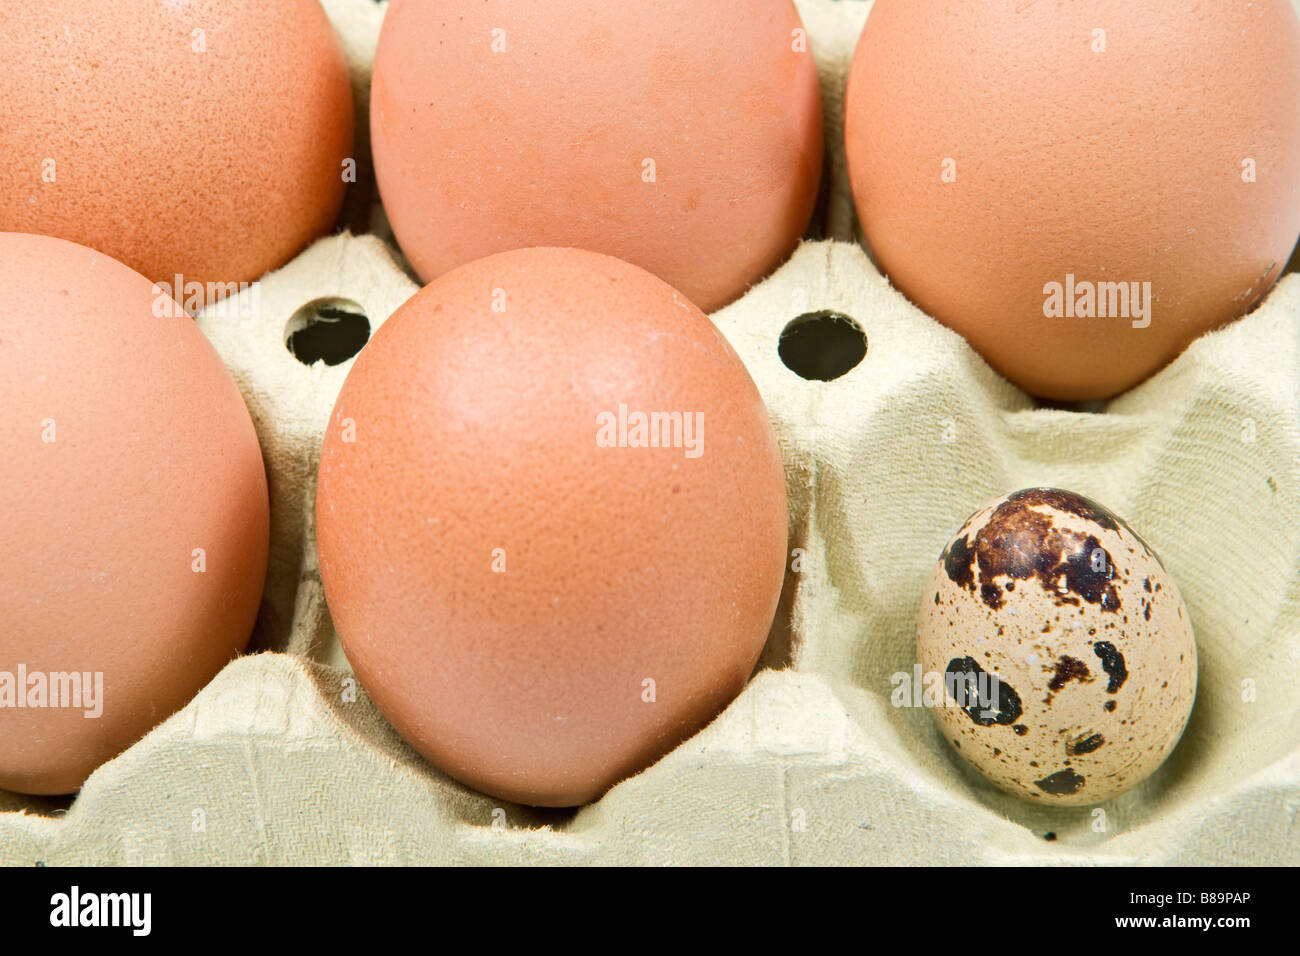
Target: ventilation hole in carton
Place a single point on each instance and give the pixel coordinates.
(327, 330)
(822, 346)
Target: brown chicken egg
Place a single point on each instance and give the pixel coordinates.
(684, 136)
(203, 139)
(1064, 649)
(552, 522)
(135, 507)
(1080, 189)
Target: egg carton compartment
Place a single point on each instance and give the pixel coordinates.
(892, 435)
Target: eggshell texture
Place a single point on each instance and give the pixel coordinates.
(127, 446)
(203, 139)
(684, 136)
(995, 148)
(538, 609)
(1086, 635)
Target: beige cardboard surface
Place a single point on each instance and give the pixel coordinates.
(282, 759)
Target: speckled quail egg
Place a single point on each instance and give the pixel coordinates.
(1065, 650)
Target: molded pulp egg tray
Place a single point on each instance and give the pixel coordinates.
(282, 758)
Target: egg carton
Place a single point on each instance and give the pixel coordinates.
(282, 759)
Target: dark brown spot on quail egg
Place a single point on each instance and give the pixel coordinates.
(1085, 744)
(1063, 783)
(1112, 662)
(985, 698)
(1022, 541)
(1067, 669)
(958, 562)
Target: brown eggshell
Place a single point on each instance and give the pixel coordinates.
(127, 447)
(1108, 140)
(1086, 634)
(497, 127)
(203, 139)
(505, 585)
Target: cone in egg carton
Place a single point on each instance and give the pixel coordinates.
(891, 438)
